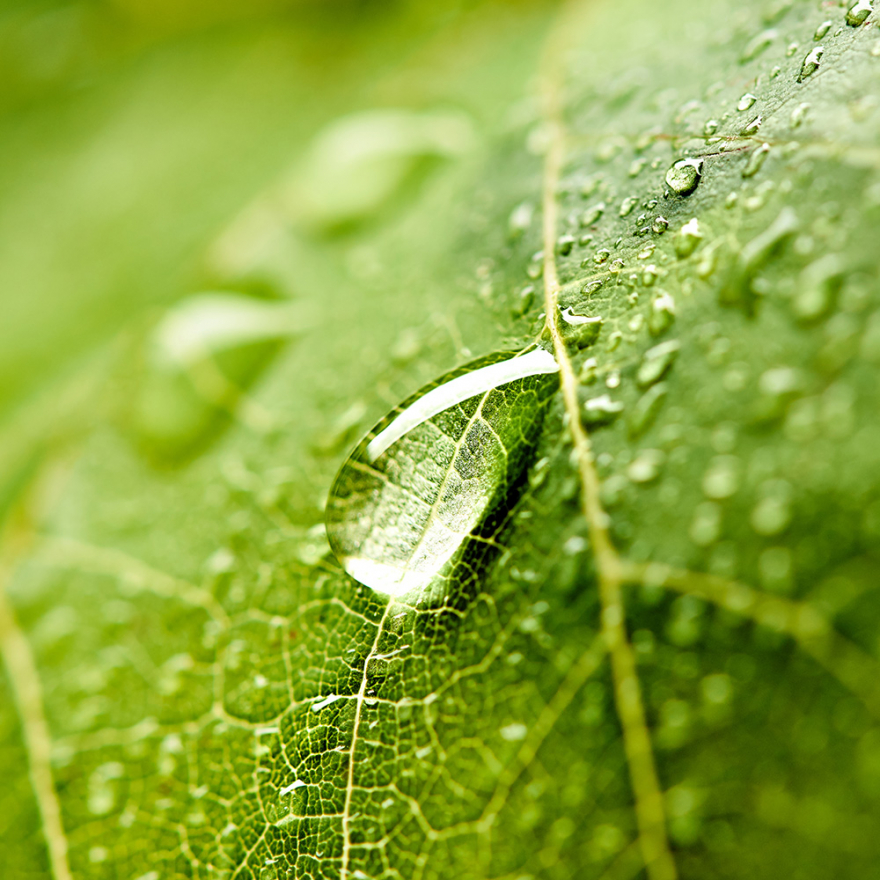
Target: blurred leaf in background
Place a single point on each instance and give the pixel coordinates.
(235, 236)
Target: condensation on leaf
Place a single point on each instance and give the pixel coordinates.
(439, 472)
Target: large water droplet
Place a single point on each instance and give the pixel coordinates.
(439, 473)
(684, 176)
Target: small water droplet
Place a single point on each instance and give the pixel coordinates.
(791, 48)
(592, 215)
(662, 313)
(660, 225)
(614, 340)
(524, 300)
(821, 30)
(687, 238)
(705, 527)
(601, 410)
(601, 256)
(758, 44)
(722, 478)
(636, 166)
(581, 331)
(773, 512)
(746, 101)
(650, 274)
(627, 206)
(514, 732)
(858, 12)
(645, 468)
(776, 568)
(589, 371)
(520, 219)
(753, 126)
(656, 362)
(798, 115)
(431, 475)
(612, 380)
(564, 245)
(590, 287)
(200, 359)
(646, 409)
(811, 63)
(590, 185)
(756, 161)
(817, 288)
(360, 163)
(684, 176)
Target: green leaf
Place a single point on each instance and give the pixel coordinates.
(657, 657)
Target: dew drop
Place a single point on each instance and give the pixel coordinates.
(601, 256)
(705, 527)
(772, 514)
(524, 300)
(684, 176)
(756, 161)
(711, 126)
(660, 225)
(361, 162)
(636, 166)
(858, 12)
(817, 287)
(646, 409)
(656, 362)
(589, 371)
(798, 115)
(645, 468)
(758, 44)
(200, 359)
(564, 245)
(601, 410)
(442, 468)
(662, 313)
(753, 126)
(722, 478)
(687, 238)
(811, 63)
(580, 331)
(627, 206)
(821, 30)
(746, 101)
(592, 215)
(520, 219)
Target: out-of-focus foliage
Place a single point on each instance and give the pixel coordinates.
(234, 237)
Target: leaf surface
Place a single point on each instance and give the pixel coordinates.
(199, 690)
